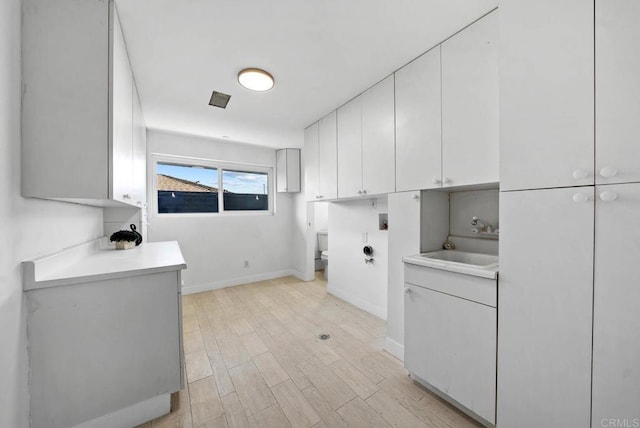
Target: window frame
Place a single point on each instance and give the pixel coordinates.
(220, 166)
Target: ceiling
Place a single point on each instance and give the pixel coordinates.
(322, 53)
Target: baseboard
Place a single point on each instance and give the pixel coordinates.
(394, 348)
(379, 311)
(200, 288)
(133, 415)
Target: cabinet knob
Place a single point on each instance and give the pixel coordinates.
(580, 197)
(608, 196)
(364, 192)
(359, 192)
(436, 181)
(319, 196)
(446, 181)
(407, 290)
(126, 196)
(579, 174)
(608, 172)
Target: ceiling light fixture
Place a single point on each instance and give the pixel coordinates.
(255, 79)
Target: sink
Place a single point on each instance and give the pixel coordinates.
(476, 264)
(476, 260)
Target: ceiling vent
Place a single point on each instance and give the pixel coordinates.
(218, 99)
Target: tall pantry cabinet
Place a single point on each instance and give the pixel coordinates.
(568, 345)
(83, 133)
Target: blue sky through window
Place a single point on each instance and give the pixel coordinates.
(245, 182)
(234, 181)
(206, 176)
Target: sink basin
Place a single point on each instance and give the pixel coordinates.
(476, 260)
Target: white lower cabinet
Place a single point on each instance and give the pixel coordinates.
(616, 341)
(545, 308)
(450, 341)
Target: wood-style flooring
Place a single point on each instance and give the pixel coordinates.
(254, 359)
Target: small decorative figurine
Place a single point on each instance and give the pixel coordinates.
(126, 239)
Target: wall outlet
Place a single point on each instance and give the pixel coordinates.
(246, 263)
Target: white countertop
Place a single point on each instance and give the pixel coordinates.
(490, 273)
(88, 262)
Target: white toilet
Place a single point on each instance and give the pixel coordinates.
(323, 248)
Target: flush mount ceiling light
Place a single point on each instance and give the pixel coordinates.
(255, 79)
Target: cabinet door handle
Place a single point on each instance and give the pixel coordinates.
(436, 181)
(608, 172)
(580, 198)
(126, 196)
(579, 174)
(320, 196)
(446, 181)
(407, 290)
(608, 196)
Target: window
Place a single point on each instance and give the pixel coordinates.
(189, 186)
(245, 191)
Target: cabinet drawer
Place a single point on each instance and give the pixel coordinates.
(476, 289)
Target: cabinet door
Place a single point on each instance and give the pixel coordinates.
(281, 170)
(65, 76)
(546, 94)
(328, 157)
(378, 139)
(470, 142)
(617, 91)
(139, 153)
(545, 308)
(451, 344)
(311, 162)
(418, 123)
(616, 343)
(349, 118)
(121, 170)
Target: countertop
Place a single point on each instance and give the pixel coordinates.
(88, 262)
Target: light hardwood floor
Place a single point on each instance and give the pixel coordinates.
(254, 359)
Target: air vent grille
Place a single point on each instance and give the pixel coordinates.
(218, 99)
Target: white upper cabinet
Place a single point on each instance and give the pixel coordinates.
(366, 143)
(288, 170)
(418, 123)
(617, 91)
(328, 157)
(470, 143)
(79, 137)
(122, 119)
(378, 138)
(139, 153)
(321, 159)
(546, 87)
(350, 149)
(311, 163)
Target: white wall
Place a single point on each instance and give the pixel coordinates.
(404, 240)
(28, 227)
(350, 278)
(215, 247)
(462, 207)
